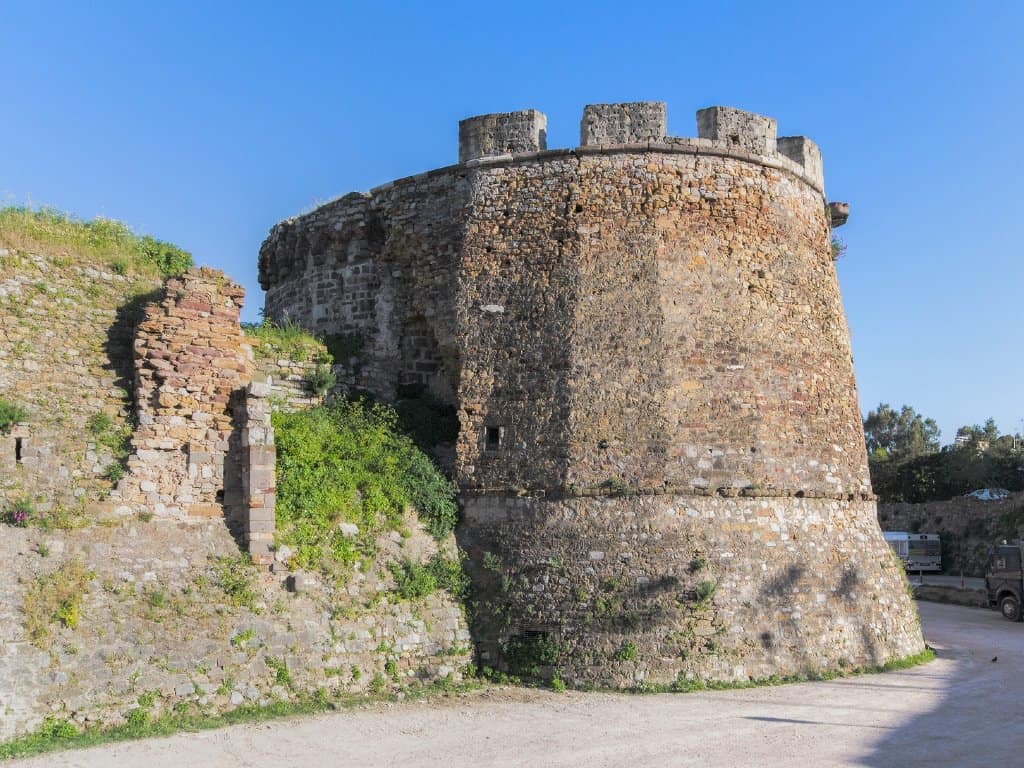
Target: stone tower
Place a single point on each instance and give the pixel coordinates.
(660, 456)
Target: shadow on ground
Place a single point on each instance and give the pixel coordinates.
(979, 720)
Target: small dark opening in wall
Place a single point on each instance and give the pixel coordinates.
(734, 139)
(17, 449)
(220, 496)
(492, 438)
(579, 208)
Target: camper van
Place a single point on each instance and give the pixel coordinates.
(918, 551)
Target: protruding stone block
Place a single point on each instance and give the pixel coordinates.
(502, 133)
(838, 213)
(740, 130)
(802, 150)
(634, 122)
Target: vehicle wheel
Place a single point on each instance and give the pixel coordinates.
(1010, 607)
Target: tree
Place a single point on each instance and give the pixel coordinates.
(900, 435)
(978, 438)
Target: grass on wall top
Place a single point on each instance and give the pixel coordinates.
(104, 241)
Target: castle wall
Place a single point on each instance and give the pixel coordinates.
(640, 326)
(681, 319)
(614, 585)
(379, 268)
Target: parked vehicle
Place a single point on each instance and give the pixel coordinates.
(1004, 579)
(918, 551)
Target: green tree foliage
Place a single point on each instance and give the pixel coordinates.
(901, 434)
(979, 438)
(901, 470)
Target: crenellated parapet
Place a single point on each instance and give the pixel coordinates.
(503, 133)
(621, 127)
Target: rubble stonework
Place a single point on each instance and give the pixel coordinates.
(646, 345)
(190, 359)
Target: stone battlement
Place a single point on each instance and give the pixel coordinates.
(642, 126)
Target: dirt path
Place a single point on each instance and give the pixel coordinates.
(962, 710)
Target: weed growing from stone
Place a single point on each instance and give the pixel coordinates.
(10, 414)
(55, 598)
(705, 591)
(20, 513)
(280, 669)
(234, 575)
(321, 380)
(628, 652)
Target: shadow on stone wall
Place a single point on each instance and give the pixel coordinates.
(119, 345)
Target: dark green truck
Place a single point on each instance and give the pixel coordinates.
(1004, 579)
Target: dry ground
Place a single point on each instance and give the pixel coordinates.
(962, 710)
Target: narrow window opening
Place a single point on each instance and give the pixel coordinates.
(734, 139)
(220, 496)
(17, 449)
(492, 438)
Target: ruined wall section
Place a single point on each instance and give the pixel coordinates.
(66, 326)
(191, 360)
(380, 271)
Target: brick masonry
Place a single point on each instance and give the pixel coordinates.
(191, 358)
(641, 328)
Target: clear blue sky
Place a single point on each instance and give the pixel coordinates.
(205, 123)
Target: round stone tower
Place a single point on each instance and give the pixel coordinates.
(660, 456)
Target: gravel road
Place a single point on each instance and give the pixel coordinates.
(962, 710)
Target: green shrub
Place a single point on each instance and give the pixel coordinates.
(321, 380)
(525, 655)
(346, 462)
(627, 652)
(10, 414)
(114, 472)
(138, 718)
(99, 423)
(280, 669)
(169, 259)
(705, 591)
(413, 580)
(427, 420)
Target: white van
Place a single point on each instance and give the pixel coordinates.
(918, 551)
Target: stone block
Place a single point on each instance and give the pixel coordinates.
(804, 152)
(630, 123)
(502, 133)
(736, 129)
